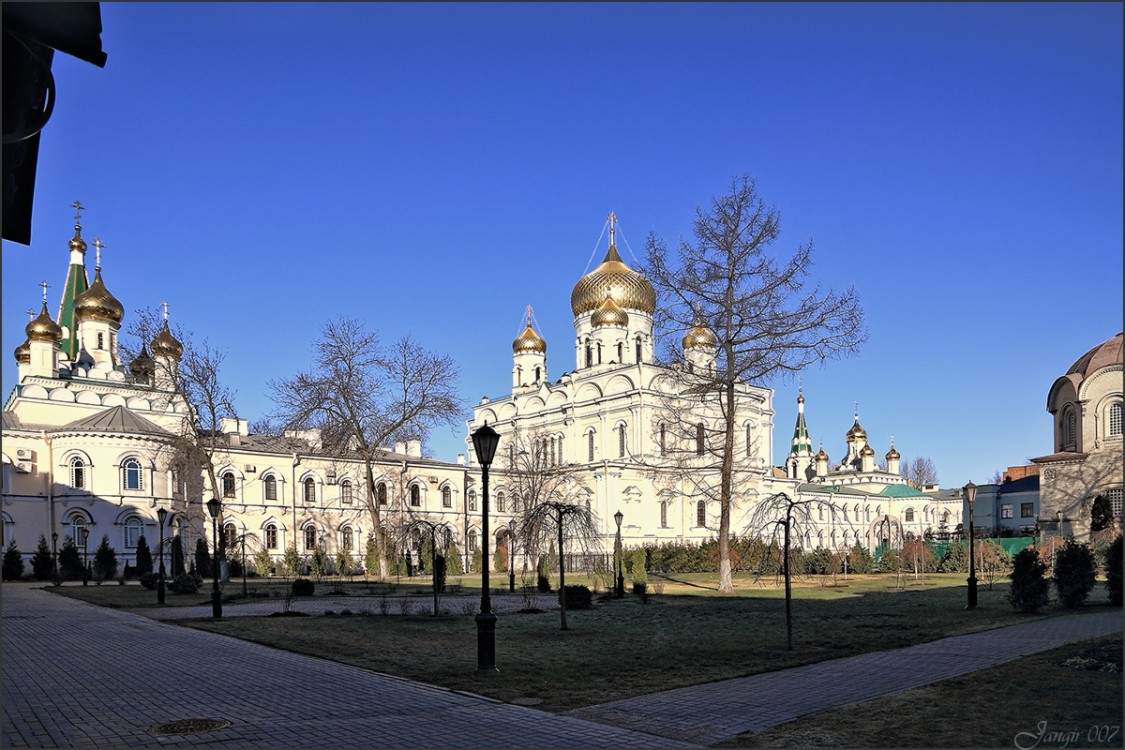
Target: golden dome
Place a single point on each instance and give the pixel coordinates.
(23, 353)
(77, 243)
(700, 336)
(529, 341)
(96, 302)
(142, 366)
(629, 289)
(166, 345)
(609, 314)
(856, 431)
(821, 455)
(867, 451)
(43, 328)
(892, 453)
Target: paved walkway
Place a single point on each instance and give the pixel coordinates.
(716, 711)
(76, 675)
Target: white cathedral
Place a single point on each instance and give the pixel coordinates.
(85, 439)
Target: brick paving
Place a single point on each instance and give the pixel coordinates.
(76, 675)
(716, 711)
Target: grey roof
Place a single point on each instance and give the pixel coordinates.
(1027, 484)
(12, 422)
(116, 419)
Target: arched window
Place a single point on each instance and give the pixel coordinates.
(701, 513)
(638, 349)
(1116, 496)
(101, 340)
(472, 500)
(310, 490)
(473, 546)
(310, 537)
(381, 493)
(620, 353)
(271, 536)
(446, 497)
(501, 505)
(78, 472)
(699, 439)
(1070, 422)
(589, 355)
(820, 512)
(415, 496)
(908, 515)
(663, 514)
(845, 512)
(621, 441)
(346, 493)
(663, 439)
(346, 539)
(271, 488)
(590, 445)
(1115, 418)
(77, 524)
(537, 375)
(749, 443)
(228, 484)
(131, 477)
(231, 534)
(133, 530)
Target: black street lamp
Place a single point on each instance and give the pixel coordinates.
(84, 534)
(619, 554)
(511, 557)
(970, 491)
(55, 551)
(214, 507)
(244, 595)
(161, 517)
(485, 440)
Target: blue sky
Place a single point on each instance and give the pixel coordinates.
(434, 168)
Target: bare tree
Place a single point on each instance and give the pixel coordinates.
(568, 522)
(767, 321)
(920, 471)
(361, 395)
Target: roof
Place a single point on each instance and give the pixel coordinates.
(833, 489)
(902, 490)
(1062, 456)
(1027, 484)
(116, 419)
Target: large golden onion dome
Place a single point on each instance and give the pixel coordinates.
(166, 345)
(142, 367)
(23, 353)
(76, 242)
(97, 303)
(43, 328)
(529, 341)
(629, 289)
(856, 431)
(701, 336)
(609, 314)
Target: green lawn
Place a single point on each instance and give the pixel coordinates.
(1080, 705)
(625, 647)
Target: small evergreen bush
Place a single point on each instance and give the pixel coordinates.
(144, 558)
(105, 561)
(1075, 574)
(13, 562)
(202, 558)
(578, 597)
(303, 587)
(860, 560)
(149, 580)
(543, 575)
(42, 564)
(263, 563)
(183, 584)
(178, 564)
(70, 561)
(1029, 589)
(640, 559)
(1113, 572)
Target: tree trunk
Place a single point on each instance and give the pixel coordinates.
(788, 585)
(726, 584)
(376, 521)
(562, 574)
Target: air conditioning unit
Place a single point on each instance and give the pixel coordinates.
(25, 454)
(23, 467)
(249, 469)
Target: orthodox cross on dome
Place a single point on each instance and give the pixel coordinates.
(800, 391)
(165, 303)
(78, 209)
(612, 223)
(30, 314)
(98, 253)
(857, 411)
(529, 316)
(44, 285)
(892, 440)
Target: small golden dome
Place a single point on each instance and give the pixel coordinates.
(166, 345)
(529, 341)
(892, 453)
(142, 366)
(867, 451)
(821, 455)
(97, 303)
(23, 353)
(856, 432)
(43, 328)
(609, 314)
(700, 336)
(629, 289)
(77, 243)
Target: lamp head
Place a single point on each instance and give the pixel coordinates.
(970, 491)
(213, 507)
(83, 534)
(618, 516)
(485, 440)
(161, 515)
(54, 536)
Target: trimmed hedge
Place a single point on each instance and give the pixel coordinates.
(578, 597)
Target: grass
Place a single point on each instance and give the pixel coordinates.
(995, 707)
(625, 647)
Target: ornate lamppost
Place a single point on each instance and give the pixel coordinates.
(485, 440)
(214, 507)
(84, 533)
(970, 491)
(161, 517)
(511, 556)
(55, 552)
(619, 555)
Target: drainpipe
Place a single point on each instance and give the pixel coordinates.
(50, 484)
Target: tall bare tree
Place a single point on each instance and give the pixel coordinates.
(919, 471)
(767, 318)
(362, 395)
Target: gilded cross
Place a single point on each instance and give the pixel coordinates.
(78, 209)
(857, 411)
(165, 303)
(44, 285)
(799, 391)
(98, 253)
(529, 315)
(30, 314)
(612, 222)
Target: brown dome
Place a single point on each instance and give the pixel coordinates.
(97, 303)
(629, 289)
(867, 451)
(1104, 354)
(166, 345)
(856, 431)
(609, 314)
(892, 453)
(43, 328)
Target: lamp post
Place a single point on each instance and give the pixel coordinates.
(214, 507)
(55, 552)
(511, 557)
(244, 595)
(84, 533)
(485, 440)
(161, 517)
(619, 553)
(970, 491)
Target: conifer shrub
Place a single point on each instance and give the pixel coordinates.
(860, 560)
(144, 558)
(70, 561)
(1029, 588)
(42, 564)
(149, 580)
(956, 559)
(1113, 572)
(543, 575)
(105, 561)
(202, 558)
(1075, 574)
(263, 563)
(185, 583)
(13, 562)
(578, 597)
(303, 587)
(178, 560)
(640, 560)
(370, 556)
(453, 564)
